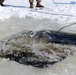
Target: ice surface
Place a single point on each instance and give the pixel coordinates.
(59, 15)
(66, 67)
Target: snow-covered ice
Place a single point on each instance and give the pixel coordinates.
(57, 16)
(55, 12)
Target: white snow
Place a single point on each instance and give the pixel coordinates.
(55, 12)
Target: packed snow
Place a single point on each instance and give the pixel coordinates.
(55, 12)
(17, 16)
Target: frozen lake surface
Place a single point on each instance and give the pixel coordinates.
(17, 17)
(66, 67)
(15, 25)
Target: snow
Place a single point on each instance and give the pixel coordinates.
(52, 17)
(59, 13)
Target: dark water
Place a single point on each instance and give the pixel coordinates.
(58, 37)
(24, 54)
(63, 38)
